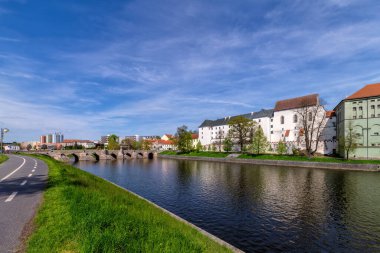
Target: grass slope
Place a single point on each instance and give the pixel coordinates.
(194, 153)
(306, 159)
(3, 158)
(83, 213)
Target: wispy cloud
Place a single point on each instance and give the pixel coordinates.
(147, 67)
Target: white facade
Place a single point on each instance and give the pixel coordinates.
(282, 123)
(11, 148)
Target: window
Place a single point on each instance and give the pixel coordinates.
(271, 120)
(354, 102)
(372, 107)
(378, 115)
(295, 118)
(378, 106)
(354, 117)
(372, 115)
(259, 120)
(282, 119)
(373, 100)
(271, 132)
(310, 116)
(376, 133)
(360, 116)
(360, 108)
(354, 109)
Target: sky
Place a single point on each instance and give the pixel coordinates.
(91, 68)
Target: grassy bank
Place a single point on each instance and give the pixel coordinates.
(83, 213)
(194, 153)
(3, 158)
(306, 159)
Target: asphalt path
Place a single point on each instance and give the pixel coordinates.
(22, 181)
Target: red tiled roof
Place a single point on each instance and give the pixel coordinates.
(330, 114)
(370, 90)
(298, 102)
(194, 136)
(164, 142)
(287, 133)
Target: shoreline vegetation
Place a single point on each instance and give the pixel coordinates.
(3, 158)
(84, 213)
(274, 157)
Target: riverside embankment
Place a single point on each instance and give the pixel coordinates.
(84, 213)
(283, 163)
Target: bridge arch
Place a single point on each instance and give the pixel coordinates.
(140, 155)
(95, 155)
(150, 155)
(113, 155)
(128, 155)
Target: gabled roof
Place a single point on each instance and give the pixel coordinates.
(224, 121)
(330, 114)
(194, 136)
(370, 90)
(298, 102)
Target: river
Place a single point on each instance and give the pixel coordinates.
(260, 208)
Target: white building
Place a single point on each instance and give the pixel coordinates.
(286, 124)
(211, 131)
(281, 123)
(11, 148)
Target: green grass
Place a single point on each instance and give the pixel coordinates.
(3, 158)
(306, 159)
(194, 153)
(84, 213)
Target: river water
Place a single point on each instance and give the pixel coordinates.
(260, 208)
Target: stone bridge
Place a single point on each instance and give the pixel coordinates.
(96, 155)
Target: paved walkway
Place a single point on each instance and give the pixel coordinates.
(22, 181)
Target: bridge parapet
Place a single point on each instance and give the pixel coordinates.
(95, 155)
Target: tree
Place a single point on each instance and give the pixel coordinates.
(349, 143)
(281, 147)
(183, 139)
(146, 145)
(29, 147)
(227, 144)
(218, 141)
(129, 144)
(259, 141)
(198, 147)
(113, 143)
(241, 131)
(311, 121)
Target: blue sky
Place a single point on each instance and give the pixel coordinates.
(88, 68)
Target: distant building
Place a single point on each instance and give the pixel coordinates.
(76, 142)
(161, 145)
(43, 139)
(167, 137)
(361, 113)
(49, 138)
(11, 148)
(133, 137)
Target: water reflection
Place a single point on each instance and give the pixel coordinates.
(260, 208)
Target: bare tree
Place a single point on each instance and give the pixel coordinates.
(311, 121)
(349, 142)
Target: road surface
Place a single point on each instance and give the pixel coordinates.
(22, 181)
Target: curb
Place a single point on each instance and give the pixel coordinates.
(298, 164)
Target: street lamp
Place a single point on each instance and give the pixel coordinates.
(2, 132)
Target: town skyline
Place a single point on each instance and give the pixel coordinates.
(149, 68)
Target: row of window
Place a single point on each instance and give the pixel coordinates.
(360, 108)
(361, 116)
(295, 118)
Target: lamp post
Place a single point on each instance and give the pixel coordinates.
(2, 132)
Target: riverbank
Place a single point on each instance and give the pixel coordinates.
(84, 213)
(280, 162)
(3, 158)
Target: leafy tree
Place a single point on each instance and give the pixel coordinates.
(241, 130)
(113, 143)
(259, 142)
(281, 147)
(349, 143)
(227, 144)
(146, 145)
(129, 144)
(183, 139)
(43, 146)
(29, 147)
(198, 147)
